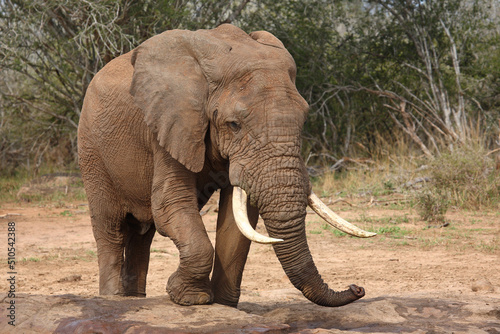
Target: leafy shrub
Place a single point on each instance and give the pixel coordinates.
(465, 178)
(432, 206)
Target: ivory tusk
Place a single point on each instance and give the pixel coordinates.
(335, 220)
(241, 218)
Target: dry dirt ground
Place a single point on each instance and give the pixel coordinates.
(418, 279)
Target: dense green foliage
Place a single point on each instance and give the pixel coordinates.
(367, 67)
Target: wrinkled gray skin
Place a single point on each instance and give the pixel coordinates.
(162, 127)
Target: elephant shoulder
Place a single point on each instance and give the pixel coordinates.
(108, 104)
(108, 92)
(114, 78)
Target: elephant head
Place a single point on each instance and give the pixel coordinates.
(232, 98)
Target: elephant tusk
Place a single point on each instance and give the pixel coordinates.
(335, 220)
(241, 218)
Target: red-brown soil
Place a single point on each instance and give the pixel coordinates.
(417, 279)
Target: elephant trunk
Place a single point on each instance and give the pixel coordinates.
(281, 193)
(283, 208)
(296, 260)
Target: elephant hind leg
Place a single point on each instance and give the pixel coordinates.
(110, 246)
(108, 222)
(107, 217)
(137, 252)
(110, 235)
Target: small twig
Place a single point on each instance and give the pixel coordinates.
(341, 200)
(235, 13)
(374, 201)
(362, 162)
(438, 226)
(10, 214)
(337, 164)
(493, 151)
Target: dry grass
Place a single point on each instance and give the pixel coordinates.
(463, 176)
(391, 165)
(466, 176)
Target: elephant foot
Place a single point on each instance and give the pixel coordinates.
(189, 292)
(133, 294)
(227, 302)
(224, 295)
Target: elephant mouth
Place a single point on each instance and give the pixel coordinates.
(241, 218)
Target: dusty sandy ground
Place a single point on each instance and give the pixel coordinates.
(417, 279)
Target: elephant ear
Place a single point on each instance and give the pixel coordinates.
(169, 86)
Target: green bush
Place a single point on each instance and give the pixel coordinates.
(432, 206)
(464, 178)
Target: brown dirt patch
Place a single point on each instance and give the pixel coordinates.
(418, 279)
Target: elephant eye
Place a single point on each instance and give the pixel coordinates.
(234, 126)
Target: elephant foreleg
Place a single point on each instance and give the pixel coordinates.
(231, 250)
(190, 283)
(176, 215)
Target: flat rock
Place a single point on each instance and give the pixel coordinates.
(387, 314)
(75, 314)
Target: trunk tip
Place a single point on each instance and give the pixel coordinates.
(357, 291)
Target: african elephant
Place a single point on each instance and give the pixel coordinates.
(165, 125)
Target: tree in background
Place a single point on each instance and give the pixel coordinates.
(49, 52)
(435, 47)
(366, 67)
(430, 68)
(51, 49)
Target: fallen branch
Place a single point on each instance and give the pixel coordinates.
(415, 181)
(438, 226)
(361, 161)
(374, 201)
